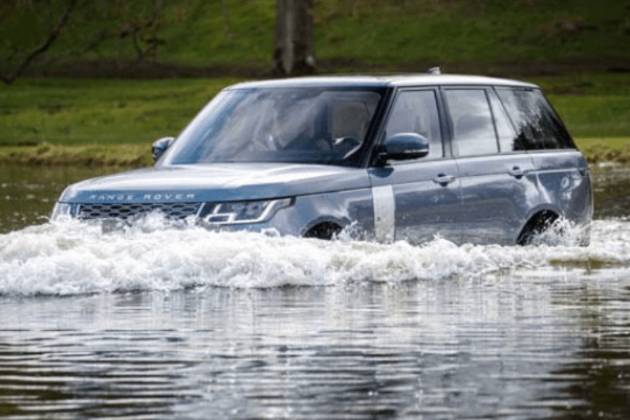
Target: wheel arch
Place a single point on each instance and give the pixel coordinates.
(324, 227)
(537, 220)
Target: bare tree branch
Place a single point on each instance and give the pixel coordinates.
(42, 48)
(143, 32)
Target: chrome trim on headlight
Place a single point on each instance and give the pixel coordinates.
(241, 212)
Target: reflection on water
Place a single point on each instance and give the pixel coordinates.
(174, 323)
(612, 191)
(28, 193)
(516, 347)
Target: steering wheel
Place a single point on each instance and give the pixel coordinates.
(346, 145)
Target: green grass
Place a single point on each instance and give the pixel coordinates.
(611, 149)
(615, 149)
(350, 34)
(478, 31)
(126, 155)
(484, 36)
(97, 114)
(110, 111)
(64, 111)
(612, 143)
(592, 105)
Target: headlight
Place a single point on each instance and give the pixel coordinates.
(61, 210)
(245, 211)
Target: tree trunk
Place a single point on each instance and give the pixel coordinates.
(293, 52)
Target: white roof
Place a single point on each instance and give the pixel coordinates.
(384, 81)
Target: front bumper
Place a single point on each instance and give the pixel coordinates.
(282, 220)
(343, 208)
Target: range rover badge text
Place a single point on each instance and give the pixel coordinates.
(143, 197)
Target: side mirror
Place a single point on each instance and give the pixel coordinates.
(403, 146)
(160, 146)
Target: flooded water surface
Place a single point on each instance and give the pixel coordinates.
(158, 322)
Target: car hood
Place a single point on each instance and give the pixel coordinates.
(216, 182)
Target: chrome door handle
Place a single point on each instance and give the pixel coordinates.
(516, 172)
(443, 179)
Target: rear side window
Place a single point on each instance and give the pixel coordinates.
(537, 125)
(416, 112)
(473, 128)
(509, 141)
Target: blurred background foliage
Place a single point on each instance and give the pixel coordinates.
(126, 72)
(236, 36)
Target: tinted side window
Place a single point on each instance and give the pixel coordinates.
(537, 125)
(508, 140)
(473, 129)
(417, 112)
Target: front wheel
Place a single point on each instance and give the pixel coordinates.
(326, 231)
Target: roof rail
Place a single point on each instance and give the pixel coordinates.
(434, 70)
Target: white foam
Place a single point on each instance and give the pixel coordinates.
(73, 258)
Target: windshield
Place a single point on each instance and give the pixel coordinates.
(299, 125)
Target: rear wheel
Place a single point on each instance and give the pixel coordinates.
(538, 224)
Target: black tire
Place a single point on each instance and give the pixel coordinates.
(326, 231)
(538, 224)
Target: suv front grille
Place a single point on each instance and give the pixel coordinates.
(126, 211)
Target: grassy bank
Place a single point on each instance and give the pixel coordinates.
(104, 111)
(126, 155)
(113, 122)
(596, 150)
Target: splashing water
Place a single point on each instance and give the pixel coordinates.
(76, 258)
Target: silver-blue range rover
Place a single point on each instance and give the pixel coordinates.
(471, 159)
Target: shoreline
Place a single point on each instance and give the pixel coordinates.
(596, 150)
(92, 155)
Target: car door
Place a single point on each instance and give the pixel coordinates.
(415, 200)
(498, 184)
